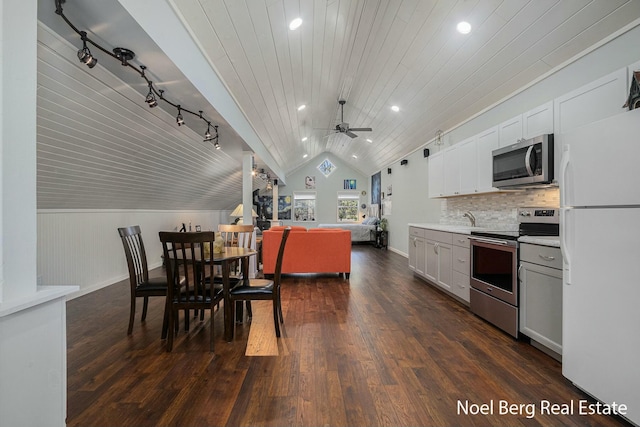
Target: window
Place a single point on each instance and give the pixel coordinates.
(304, 206)
(348, 206)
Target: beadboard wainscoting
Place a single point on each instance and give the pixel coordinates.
(497, 210)
(83, 248)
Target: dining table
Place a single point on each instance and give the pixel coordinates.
(228, 256)
(225, 259)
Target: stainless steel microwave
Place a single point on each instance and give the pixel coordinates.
(528, 162)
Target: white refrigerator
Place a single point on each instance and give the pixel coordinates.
(600, 240)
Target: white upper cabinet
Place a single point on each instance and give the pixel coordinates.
(535, 122)
(597, 100)
(436, 177)
(538, 121)
(486, 143)
(452, 171)
(468, 164)
(510, 131)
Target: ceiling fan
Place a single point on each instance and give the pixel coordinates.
(344, 127)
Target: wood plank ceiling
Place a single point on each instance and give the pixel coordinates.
(100, 147)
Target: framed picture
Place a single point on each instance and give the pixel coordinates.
(349, 184)
(310, 182)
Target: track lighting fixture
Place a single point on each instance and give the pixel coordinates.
(179, 118)
(151, 97)
(125, 56)
(84, 54)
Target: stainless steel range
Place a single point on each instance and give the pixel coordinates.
(494, 266)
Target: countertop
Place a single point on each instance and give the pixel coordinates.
(553, 241)
(460, 229)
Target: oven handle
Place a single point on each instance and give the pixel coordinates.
(491, 241)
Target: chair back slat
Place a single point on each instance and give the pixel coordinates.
(134, 252)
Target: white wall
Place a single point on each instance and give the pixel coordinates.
(82, 247)
(326, 187)
(410, 195)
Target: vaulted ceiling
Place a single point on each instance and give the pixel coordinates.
(100, 146)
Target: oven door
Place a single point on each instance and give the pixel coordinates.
(494, 265)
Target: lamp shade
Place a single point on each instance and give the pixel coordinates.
(239, 212)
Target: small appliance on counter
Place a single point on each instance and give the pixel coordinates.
(494, 267)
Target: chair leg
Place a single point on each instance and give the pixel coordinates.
(280, 309)
(211, 332)
(165, 321)
(275, 317)
(249, 312)
(132, 315)
(186, 320)
(172, 314)
(144, 308)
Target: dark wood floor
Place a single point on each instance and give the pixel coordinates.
(383, 348)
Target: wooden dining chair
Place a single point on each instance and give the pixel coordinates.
(139, 282)
(189, 260)
(261, 289)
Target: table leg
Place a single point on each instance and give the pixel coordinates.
(228, 306)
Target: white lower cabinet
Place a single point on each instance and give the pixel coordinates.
(445, 258)
(541, 295)
(461, 266)
(416, 250)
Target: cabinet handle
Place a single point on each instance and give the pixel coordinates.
(461, 260)
(435, 248)
(461, 240)
(547, 258)
(518, 273)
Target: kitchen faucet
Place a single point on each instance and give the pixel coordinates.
(472, 218)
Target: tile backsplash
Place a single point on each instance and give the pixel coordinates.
(496, 210)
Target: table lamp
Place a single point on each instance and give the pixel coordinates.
(239, 213)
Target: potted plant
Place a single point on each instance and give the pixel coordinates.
(383, 224)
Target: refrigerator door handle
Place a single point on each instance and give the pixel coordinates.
(564, 164)
(564, 246)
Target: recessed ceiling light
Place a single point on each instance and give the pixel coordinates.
(354, 156)
(368, 140)
(305, 156)
(304, 139)
(302, 107)
(463, 27)
(295, 23)
(395, 108)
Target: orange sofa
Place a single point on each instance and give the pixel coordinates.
(317, 250)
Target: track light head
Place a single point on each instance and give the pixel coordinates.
(179, 118)
(217, 145)
(207, 135)
(84, 54)
(151, 97)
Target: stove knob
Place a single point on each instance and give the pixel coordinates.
(525, 213)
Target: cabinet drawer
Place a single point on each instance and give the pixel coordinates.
(416, 232)
(461, 259)
(461, 240)
(461, 285)
(438, 236)
(541, 255)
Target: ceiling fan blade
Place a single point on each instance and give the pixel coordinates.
(351, 134)
(361, 129)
